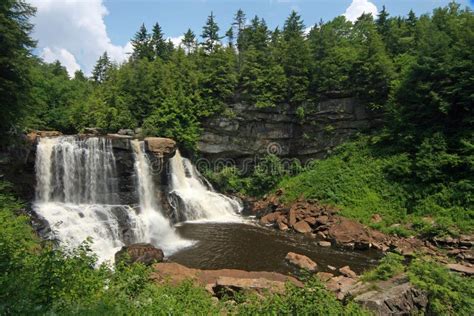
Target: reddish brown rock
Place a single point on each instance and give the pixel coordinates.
(322, 220)
(409, 246)
(460, 268)
(348, 232)
(302, 227)
(160, 146)
(340, 285)
(142, 253)
(282, 226)
(292, 217)
(269, 218)
(301, 261)
(176, 273)
(346, 271)
(310, 220)
(324, 276)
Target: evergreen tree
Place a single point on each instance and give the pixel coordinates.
(189, 41)
(239, 24)
(411, 21)
(141, 45)
(230, 37)
(79, 75)
(383, 23)
(101, 68)
(210, 34)
(294, 55)
(158, 43)
(15, 51)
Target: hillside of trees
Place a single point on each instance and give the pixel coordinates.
(417, 69)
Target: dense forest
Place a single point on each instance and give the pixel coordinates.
(416, 170)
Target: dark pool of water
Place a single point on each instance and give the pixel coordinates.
(255, 248)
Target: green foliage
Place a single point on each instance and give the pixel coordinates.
(365, 179)
(15, 46)
(448, 293)
(263, 176)
(40, 279)
(389, 266)
(313, 299)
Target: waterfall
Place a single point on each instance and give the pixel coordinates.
(156, 229)
(77, 194)
(194, 198)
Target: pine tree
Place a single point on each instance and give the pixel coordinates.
(141, 45)
(383, 23)
(239, 24)
(294, 55)
(103, 65)
(294, 26)
(230, 37)
(411, 22)
(189, 41)
(158, 43)
(210, 34)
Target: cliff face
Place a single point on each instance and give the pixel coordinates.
(283, 130)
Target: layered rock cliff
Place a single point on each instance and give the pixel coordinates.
(284, 130)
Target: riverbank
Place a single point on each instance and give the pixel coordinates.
(325, 224)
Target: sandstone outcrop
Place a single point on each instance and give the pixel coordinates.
(301, 261)
(224, 281)
(250, 131)
(139, 253)
(160, 146)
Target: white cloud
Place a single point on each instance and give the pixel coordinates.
(75, 28)
(64, 56)
(176, 40)
(358, 7)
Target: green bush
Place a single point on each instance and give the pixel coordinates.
(364, 178)
(313, 299)
(448, 293)
(389, 266)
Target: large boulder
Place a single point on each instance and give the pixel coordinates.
(141, 253)
(402, 299)
(349, 233)
(461, 268)
(224, 281)
(160, 146)
(229, 287)
(301, 261)
(302, 227)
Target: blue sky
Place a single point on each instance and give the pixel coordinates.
(76, 32)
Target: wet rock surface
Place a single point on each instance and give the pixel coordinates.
(301, 261)
(143, 253)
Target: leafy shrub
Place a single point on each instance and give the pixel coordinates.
(389, 266)
(365, 179)
(313, 299)
(448, 293)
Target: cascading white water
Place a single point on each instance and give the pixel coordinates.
(195, 198)
(155, 228)
(76, 193)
